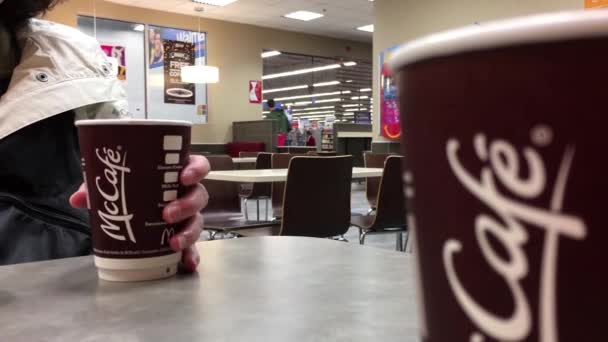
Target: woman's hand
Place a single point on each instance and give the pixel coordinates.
(185, 209)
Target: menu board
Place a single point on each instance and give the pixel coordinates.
(177, 55)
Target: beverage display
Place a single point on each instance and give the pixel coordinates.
(131, 170)
(505, 174)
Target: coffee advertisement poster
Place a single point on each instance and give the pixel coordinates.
(168, 98)
(177, 55)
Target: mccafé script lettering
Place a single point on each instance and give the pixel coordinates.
(516, 218)
(114, 215)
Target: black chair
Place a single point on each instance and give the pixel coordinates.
(372, 185)
(390, 210)
(310, 209)
(279, 161)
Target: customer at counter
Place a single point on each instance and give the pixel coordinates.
(278, 114)
(51, 75)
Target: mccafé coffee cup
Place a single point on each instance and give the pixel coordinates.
(132, 170)
(504, 132)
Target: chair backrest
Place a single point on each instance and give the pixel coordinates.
(322, 154)
(372, 185)
(279, 161)
(263, 162)
(391, 212)
(248, 154)
(317, 197)
(223, 196)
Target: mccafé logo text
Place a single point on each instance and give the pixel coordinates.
(114, 215)
(516, 217)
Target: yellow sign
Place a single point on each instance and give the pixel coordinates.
(596, 3)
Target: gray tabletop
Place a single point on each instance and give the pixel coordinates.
(251, 289)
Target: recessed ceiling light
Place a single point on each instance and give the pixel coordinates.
(349, 81)
(139, 28)
(268, 54)
(350, 63)
(219, 3)
(366, 28)
(304, 15)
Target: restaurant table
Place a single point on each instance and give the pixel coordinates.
(251, 289)
(277, 175)
(249, 160)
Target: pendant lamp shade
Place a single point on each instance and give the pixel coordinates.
(200, 74)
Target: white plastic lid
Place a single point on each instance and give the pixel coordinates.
(552, 27)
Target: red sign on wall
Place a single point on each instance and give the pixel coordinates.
(255, 91)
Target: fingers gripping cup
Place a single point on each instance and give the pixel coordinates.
(504, 135)
(131, 170)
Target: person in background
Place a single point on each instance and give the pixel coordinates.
(310, 140)
(278, 114)
(50, 76)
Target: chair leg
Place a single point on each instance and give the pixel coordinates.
(407, 240)
(212, 235)
(362, 237)
(341, 238)
(246, 211)
(399, 244)
(257, 204)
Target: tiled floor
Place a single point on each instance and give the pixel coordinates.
(359, 205)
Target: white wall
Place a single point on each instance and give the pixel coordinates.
(398, 21)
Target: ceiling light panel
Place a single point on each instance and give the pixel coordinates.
(304, 15)
(366, 28)
(269, 54)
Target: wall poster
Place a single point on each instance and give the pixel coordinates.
(390, 122)
(177, 55)
(169, 50)
(118, 52)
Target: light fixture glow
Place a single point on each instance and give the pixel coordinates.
(348, 64)
(139, 28)
(314, 108)
(269, 54)
(304, 15)
(312, 113)
(328, 100)
(220, 3)
(307, 96)
(359, 97)
(301, 71)
(316, 85)
(284, 89)
(365, 90)
(366, 28)
(200, 74)
(326, 84)
(356, 110)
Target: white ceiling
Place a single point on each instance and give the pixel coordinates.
(341, 16)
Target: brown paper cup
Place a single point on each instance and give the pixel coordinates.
(131, 170)
(504, 129)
